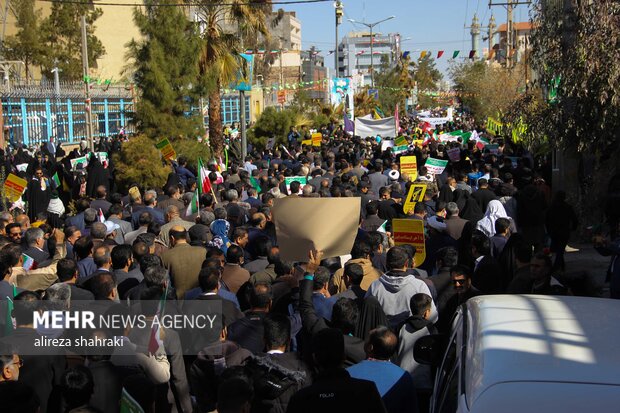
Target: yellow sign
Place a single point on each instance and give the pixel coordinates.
(166, 149)
(415, 194)
(410, 231)
(14, 187)
(306, 142)
(417, 142)
(316, 139)
(409, 166)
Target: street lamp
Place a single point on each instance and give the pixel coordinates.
(370, 27)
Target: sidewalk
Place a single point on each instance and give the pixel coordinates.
(591, 262)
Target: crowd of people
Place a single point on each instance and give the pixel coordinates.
(327, 334)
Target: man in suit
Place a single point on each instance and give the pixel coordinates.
(115, 214)
(183, 261)
(78, 219)
(372, 222)
(35, 242)
(150, 203)
(42, 366)
(377, 179)
(248, 331)
(173, 219)
(122, 260)
(454, 223)
(100, 203)
(174, 198)
(234, 276)
(210, 302)
(68, 274)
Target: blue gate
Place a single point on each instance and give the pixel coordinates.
(33, 113)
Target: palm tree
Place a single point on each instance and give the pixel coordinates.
(225, 25)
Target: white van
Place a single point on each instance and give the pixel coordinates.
(526, 354)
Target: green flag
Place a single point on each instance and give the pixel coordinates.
(56, 180)
(455, 54)
(8, 326)
(193, 206)
(255, 184)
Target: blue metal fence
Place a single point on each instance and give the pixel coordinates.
(33, 113)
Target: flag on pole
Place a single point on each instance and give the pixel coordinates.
(472, 54)
(397, 119)
(455, 54)
(8, 325)
(439, 54)
(56, 180)
(204, 184)
(193, 206)
(154, 340)
(28, 262)
(349, 126)
(100, 216)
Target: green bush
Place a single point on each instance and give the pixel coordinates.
(140, 162)
(271, 123)
(192, 150)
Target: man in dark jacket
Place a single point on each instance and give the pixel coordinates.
(345, 315)
(334, 390)
(483, 195)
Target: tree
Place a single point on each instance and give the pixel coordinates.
(576, 47)
(26, 44)
(218, 60)
(487, 90)
(166, 72)
(426, 77)
(272, 124)
(140, 162)
(61, 34)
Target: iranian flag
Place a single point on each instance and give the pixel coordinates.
(204, 184)
(193, 206)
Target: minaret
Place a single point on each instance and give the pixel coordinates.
(475, 35)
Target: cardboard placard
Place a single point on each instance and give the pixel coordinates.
(316, 139)
(325, 224)
(454, 154)
(166, 149)
(409, 166)
(493, 148)
(307, 142)
(410, 231)
(415, 195)
(14, 187)
(400, 149)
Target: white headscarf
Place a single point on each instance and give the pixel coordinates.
(495, 210)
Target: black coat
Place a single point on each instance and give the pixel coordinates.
(337, 392)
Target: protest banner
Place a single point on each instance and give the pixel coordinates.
(415, 195)
(14, 187)
(410, 231)
(316, 139)
(22, 167)
(435, 166)
(301, 222)
(367, 126)
(454, 154)
(166, 149)
(301, 179)
(307, 142)
(409, 166)
(82, 160)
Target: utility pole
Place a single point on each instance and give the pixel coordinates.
(87, 102)
(338, 6)
(371, 27)
(56, 71)
(510, 5)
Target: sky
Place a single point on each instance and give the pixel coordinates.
(430, 24)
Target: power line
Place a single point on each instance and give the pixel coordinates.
(248, 3)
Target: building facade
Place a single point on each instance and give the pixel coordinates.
(313, 74)
(355, 53)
